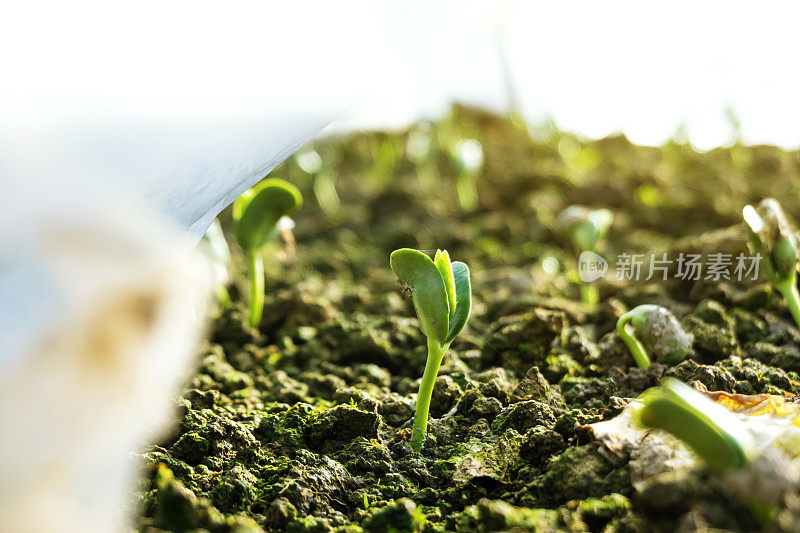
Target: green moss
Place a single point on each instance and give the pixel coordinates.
(402, 516)
(541, 443)
(524, 415)
(748, 326)
(497, 515)
(578, 390)
(309, 524)
(340, 425)
(712, 376)
(598, 512)
(713, 329)
(582, 472)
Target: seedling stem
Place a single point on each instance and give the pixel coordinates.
(788, 288)
(625, 331)
(435, 356)
(256, 264)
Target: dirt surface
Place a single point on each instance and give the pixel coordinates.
(304, 425)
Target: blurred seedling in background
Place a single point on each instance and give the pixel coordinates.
(653, 329)
(323, 183)
(584, 228)
(710, 430)
(421, 150)
(384, 160)
(220, 256)
(468, 158)
(773, 239)
(454, 137)
(260, 215)
(441, 294)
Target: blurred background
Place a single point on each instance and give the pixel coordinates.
(647, 70)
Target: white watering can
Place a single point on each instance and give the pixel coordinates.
(101, 308)
(101, 301)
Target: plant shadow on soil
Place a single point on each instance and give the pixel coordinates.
(304, 424)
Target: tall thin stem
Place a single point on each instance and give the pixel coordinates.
(223, 297)
(435, 354)
(636, 348)
(256, 287)
(589, 294)
(790, 293)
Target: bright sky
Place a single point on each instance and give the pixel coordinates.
(642, 68)
(633, 67)
(78, 74)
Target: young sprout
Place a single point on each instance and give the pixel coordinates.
(384, 160)
(441, 293)
(220, 255)
(469, 162)
(584, 227)
(324, 185)
(709, 429)
(771, 237)
(659, 330)
(421, 150)
(259, 216)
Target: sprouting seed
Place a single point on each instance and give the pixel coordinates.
(442, 296)
(259, 216)
(584, 228)
(771, 236)
(653, 328)
(709, 429)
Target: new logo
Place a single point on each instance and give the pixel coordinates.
(591, 266)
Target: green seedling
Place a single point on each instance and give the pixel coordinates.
(584, 228)
(658, 329)
(220, 256)
(384, 160)
(421, 148)
(441, 293)
(259, 216)
(772, 237)
(709, 429)
(468, 156)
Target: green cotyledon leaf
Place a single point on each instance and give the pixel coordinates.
(709, 429)
(418, 271)
(442, 262)
(463, 292)
(256, 213)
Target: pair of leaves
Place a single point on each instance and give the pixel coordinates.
(256, 212)
(440, 291)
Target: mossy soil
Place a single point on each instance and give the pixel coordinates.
(304, 424)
